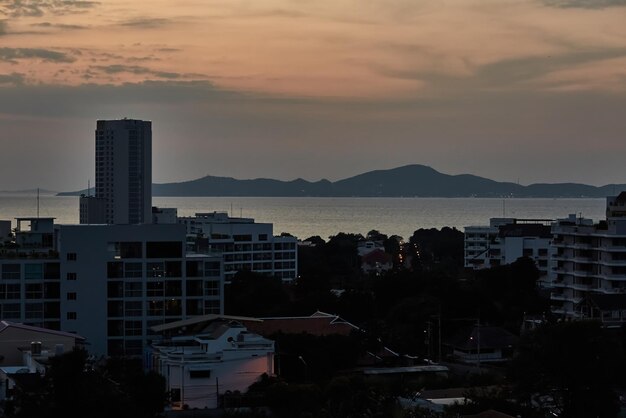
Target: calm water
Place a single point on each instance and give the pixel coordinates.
(307, 216)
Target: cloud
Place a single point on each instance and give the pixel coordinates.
(3, 27)
(13, 54)
(145, 22)
(585, 4)
(58, 26)
(15, 79)
(135, 69)
(37, 8)
(503, 75)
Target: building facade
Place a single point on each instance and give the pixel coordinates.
(203, 358)
(507, 239)
(589, 260)
(245, 244)
(123, 173)
(108, 283)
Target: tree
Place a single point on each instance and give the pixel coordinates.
(570, 368)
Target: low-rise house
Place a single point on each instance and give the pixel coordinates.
(609, 309)
(204, 357)
(376, 262)
(24, 351)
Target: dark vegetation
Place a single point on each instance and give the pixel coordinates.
(76, 387)
(564, 369)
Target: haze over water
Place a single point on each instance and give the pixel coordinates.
(307, 216)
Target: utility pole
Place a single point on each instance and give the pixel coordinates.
(478, 340)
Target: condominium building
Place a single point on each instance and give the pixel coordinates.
(123, 174)
(108, 283)
(505, 240)
(590, 262)
(245, 244)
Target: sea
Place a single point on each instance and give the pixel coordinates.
(304, 217)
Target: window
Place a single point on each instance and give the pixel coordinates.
(115, 308)
(11, 271)
(212, 269)
(34, 291)
(155, 308)
(70, 276)
(115, 270)
(133, 308)
(71, 296)
(133, 270)
(10, 291)
(33, 271)
(262, 237)
(194, 287)
(115, 290)
(33, 310)
(52, 271)
(51, 290)
(173, 269)
(155, 269)
(173, 288)
(242, 237)
(211, 307)
(194, 269)
(199, 374)
(11, 311)
(71, 315)
(154, 289)
(164, 249)
(71, 256)
(133, 289)
(211, 288)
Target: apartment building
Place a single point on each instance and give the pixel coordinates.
(590, 265)
(108, 283)
(505, 240)
(244, 244)
(123, 174)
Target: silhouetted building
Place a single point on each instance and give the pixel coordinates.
(123, 174)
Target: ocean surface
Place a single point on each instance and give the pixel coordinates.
(307, 216)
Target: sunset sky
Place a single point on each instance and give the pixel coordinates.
(514, 90)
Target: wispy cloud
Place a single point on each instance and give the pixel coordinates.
(135, 69)
(14, 79)
(585, 4)
(14, 54)
(145, 22)
(18, 8)
(58, 26)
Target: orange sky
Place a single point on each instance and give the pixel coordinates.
(394, 61)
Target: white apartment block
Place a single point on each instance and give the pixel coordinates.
(123, 174)
(108, 283)
(245, 244)
(590, 263)
(507, 239)
(203, 358)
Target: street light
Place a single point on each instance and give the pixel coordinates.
(306, 368)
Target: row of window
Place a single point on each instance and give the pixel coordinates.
(159, 269)
(168, 288)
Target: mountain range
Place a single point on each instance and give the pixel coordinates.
(407, 181)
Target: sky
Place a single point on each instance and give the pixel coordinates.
(514, 90)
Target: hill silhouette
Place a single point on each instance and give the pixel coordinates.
(407, 181)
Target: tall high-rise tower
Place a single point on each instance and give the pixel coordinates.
(123, 173)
